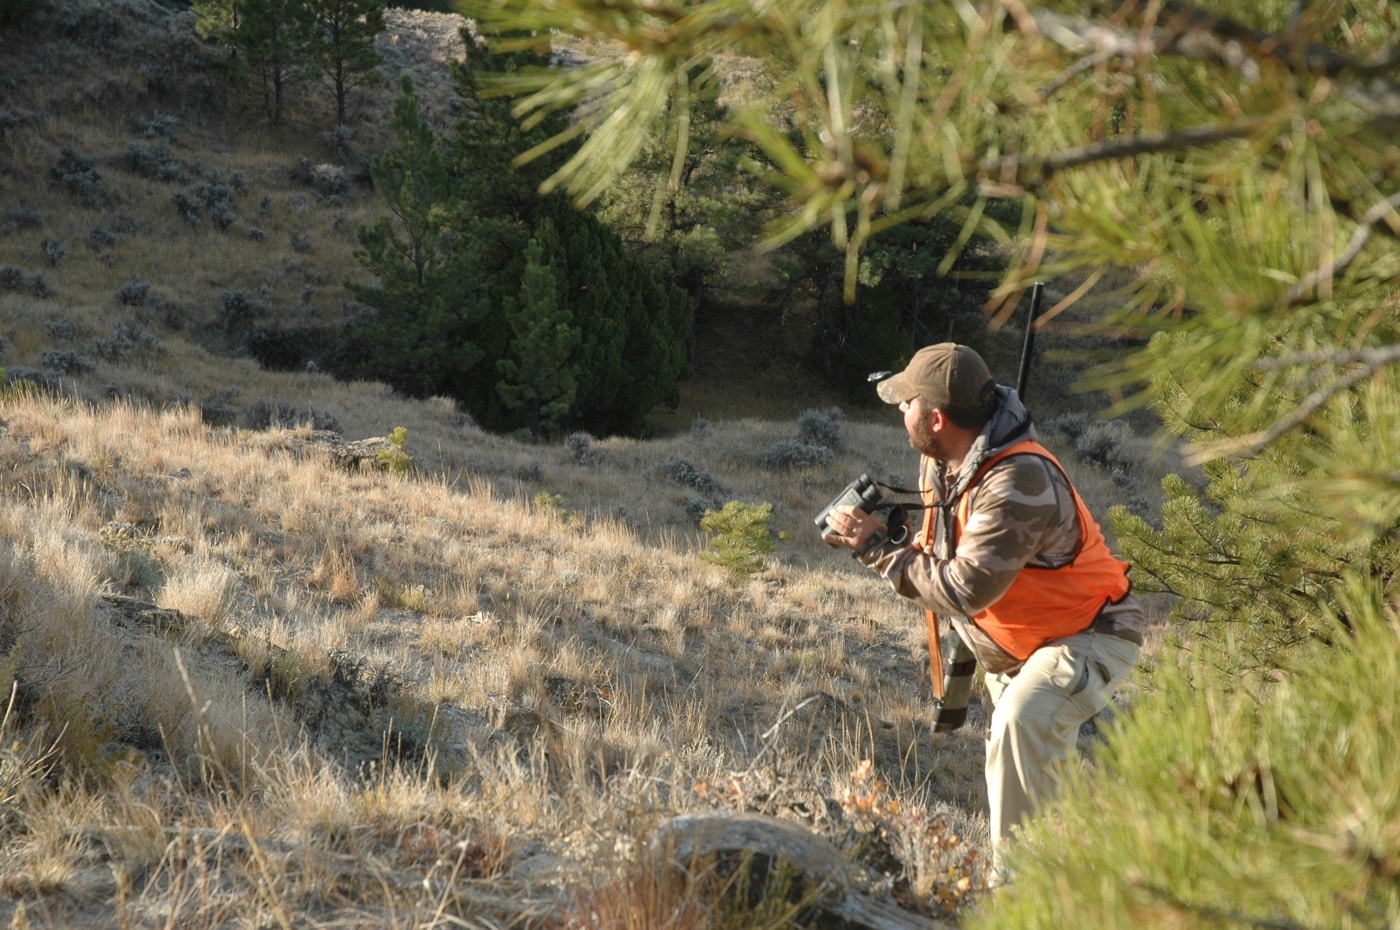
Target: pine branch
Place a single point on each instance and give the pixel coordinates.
(1367, 363)
(1033, 171)
(1385, 209)
(1191, 32)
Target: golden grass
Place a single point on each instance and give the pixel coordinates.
(560, 662)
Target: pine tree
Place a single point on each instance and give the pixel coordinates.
(271, 37)
(340, 43)
(626, 365)
(539, 375)
(422, 336)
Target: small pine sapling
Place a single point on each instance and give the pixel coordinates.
(739, 536)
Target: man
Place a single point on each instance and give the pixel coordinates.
(1009, 553)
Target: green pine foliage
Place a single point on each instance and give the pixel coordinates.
(697, 214)
(397, 460)
(538, 375)
(1215, 189)
(740, 537)
(1264, 547)
(275, 43)
(269, 38)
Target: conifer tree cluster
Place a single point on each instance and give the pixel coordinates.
(529, 312)
(275, 43)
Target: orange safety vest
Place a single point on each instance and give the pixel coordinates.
(1042, 604)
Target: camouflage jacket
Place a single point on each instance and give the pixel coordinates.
(1021, 511)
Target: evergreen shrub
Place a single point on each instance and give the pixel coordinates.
(66, 362)
(155, 161)
(397, 460)
(697, 507)
(134, 293)
(125, 340)
(580, 446)
(100, 239)
(159, 126)
(739, 537)
(61, 329)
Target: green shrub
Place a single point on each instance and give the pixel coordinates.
(396, 461)
(551, 505)
(740, 537)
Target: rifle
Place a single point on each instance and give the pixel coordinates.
(951, 694)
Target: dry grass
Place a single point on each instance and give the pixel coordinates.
(242, 686)
(343, 653)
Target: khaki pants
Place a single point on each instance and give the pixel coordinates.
(1035, 722)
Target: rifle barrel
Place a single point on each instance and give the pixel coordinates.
(1028, 345)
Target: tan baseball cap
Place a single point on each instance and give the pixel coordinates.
(944, 375)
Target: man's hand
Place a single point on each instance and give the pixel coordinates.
(850, 528)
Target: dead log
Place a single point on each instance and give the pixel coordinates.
(691, 843)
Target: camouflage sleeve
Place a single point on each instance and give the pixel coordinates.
(1021, 510)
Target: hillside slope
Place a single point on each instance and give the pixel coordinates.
(152, 216)
(249, 685)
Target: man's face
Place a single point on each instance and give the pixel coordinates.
(918, 423)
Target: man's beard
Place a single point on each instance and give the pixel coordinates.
(923, 440)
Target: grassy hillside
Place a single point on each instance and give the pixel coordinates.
(244, 684)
